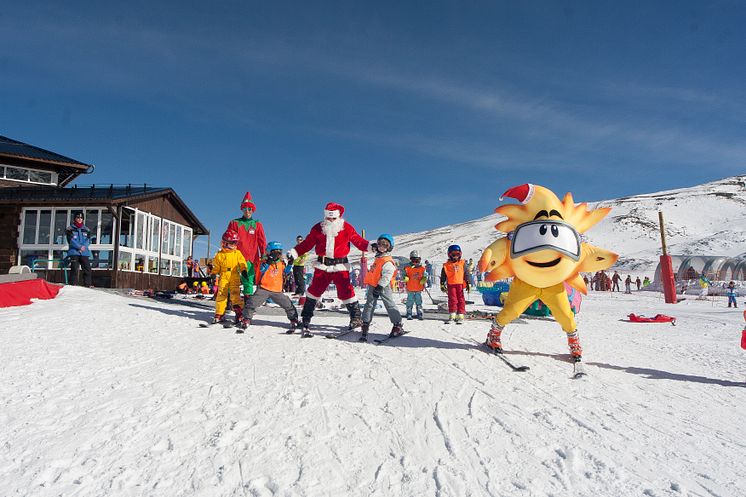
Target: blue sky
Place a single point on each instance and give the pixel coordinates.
(412, 115)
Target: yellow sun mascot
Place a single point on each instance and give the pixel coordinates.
(543, 249)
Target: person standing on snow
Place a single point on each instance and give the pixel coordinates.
(615, 280)
(231, 268)
(78, 240)
(331, 239)
(415, 279)
(452, 282)
(628, 284)
(379, 280)
(299, 270)
(251, 239)
(731, 294)
(269, 286)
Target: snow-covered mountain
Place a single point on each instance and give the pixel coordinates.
(708, 219)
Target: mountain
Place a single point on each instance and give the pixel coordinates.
(708, 219)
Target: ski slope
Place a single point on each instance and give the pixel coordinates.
(105, 395)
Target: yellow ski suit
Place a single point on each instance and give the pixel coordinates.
(228, 265)
(521, 295)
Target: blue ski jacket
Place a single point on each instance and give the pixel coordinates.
(78, 239)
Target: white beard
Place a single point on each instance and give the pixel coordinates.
(331, 229)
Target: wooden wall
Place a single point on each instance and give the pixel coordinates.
(125, 279)
(10, 223)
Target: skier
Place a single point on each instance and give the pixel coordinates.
(78, 240)
(638, 283)
(452, 281)
(299, 270)
(731, 294)
(628, 284)
(231, 268)
(542, 251)
(331, 239)
(379, 280)
(415, 279)
(269, 285)
(251, 239)
(615, 280)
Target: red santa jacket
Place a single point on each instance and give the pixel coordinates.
(334, 247)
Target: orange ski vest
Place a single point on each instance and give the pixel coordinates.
(272, 278)
(374, 275)
(415, 275)
(454, 272)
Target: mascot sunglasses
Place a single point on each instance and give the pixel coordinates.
(546, 234)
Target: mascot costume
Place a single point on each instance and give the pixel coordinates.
(542, 250)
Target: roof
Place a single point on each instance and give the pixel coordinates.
(67, 168)
(90, 195)
(14, 148)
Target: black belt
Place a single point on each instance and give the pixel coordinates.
(328, 261)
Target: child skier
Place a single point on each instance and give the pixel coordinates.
(378, 281)
(230, 265)
(415, 278)
(731, 294)
(452, 281)
(270, 286)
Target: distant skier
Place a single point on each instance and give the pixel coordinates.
(731, 293)
(638, 283)
(628, 284)
(615, 281)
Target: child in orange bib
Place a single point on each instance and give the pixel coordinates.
(378, 283)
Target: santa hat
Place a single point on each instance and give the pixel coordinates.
(333, 210)
(524, 193)
(247, 202)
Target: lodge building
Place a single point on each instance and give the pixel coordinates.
(140, 235)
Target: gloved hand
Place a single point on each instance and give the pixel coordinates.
(443, 287)
(423, 280)
(406, 279)
(377, 291)
(374, 247)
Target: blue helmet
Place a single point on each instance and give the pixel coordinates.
(274, 246)
(387, 237)
(454, 248)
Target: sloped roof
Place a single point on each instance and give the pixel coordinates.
(14, 148)
(88, 195)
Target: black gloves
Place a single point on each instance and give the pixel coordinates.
(377, 291)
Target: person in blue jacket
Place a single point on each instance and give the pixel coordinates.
(731, 292)
(78, 240)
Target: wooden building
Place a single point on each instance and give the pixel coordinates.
(141, 235)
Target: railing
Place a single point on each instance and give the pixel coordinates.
(64, 264)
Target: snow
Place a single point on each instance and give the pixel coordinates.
(103, 394)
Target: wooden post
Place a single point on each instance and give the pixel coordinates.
(667, 280)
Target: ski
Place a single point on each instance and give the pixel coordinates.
(504, 359)
(338, 335)
(578, 370)
(306, 334)
(379, 341)
(208, 324)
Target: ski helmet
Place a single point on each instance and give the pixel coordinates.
(230, 237)
(454, 248)
(414, 255)
(274, 246)
(387, 237)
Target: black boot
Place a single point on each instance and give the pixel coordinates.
(397, 330)
(364, 334)
(306, 331)
(356, 320)
(293, 326)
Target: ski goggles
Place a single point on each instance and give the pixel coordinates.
(545, 235)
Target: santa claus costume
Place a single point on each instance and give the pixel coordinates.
(331, 239)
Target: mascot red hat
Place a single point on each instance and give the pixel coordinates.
(247, 202)
(333, 210)
(523, 193)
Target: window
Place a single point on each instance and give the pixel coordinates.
(60, 225)
(155, 230)
(140, 239)
(125, 261)
(29, 227)
(23, 174)
(107, 227)
(126, 234)
(45, 222)
(91, 222)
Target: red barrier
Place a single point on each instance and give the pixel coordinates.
(667, 279)
(21, 292)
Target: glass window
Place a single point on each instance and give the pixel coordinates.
(91, 222)
(164, 237)
(177, 248)
(140, 262)
(127, 229)
(140, 230)
(60, 224)
(101, 259)
(165, 267)
(153, 264)
(2, 171)
(28, 257)
(45, 223)
(57, 255)
(40, 177)
(29, 227)
(16, 173)
(171, 238)
(154, 238)
(125, 261)
(107, 227)
(187, 243)
(176, 268)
